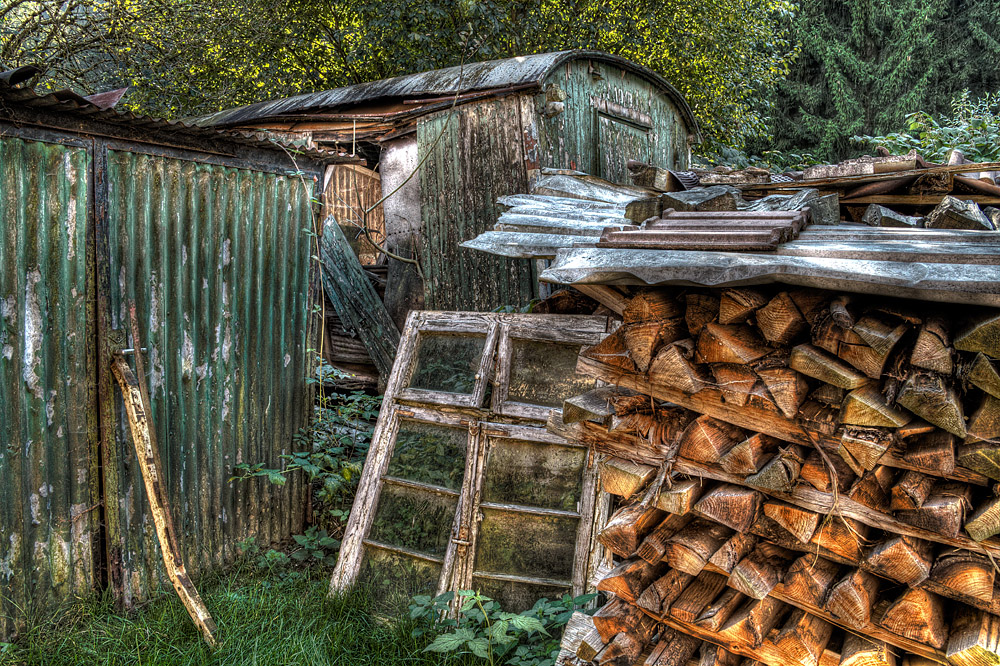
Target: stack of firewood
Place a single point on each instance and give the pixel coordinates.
(803, 477)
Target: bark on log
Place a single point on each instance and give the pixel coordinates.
(910, 492)
(720, 610)
(735, 549)
(866, 446)
(753, 621)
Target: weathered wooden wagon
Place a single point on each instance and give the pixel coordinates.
(468, 135)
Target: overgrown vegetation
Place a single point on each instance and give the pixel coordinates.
(972, 127)
(484, 630)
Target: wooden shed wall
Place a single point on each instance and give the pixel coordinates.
(479, 157)
(608, 120)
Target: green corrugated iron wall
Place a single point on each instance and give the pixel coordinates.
(47, 435)
(216, 260)
(574, 139)
(476, 155)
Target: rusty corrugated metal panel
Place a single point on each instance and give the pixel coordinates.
(47, 525)
(217, 262)
(488, 75)
(478, 159)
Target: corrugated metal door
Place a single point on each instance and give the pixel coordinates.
(216, 260)
(47, 435)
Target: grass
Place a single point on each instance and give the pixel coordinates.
(265, 617)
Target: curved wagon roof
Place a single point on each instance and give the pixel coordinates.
(525, 72)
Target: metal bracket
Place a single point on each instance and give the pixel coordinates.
(118, 339)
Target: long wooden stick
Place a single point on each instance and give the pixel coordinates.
(158, 504)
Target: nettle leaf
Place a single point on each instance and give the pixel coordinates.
(479, 647)
(452, 641)
(529, 624)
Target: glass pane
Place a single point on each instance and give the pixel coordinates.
(516, 597)
(534, 474)
(526, 545)
(448, 363)
(394, 579)
(414, 519)
(544, 373)
(429, 454)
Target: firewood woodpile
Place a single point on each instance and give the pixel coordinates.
(803, 477)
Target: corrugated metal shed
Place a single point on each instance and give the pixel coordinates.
(206, 232)
(523, 72)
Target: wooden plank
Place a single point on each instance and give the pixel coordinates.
(873, 177)
(353, 297)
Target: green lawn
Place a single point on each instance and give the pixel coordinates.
(269, 619)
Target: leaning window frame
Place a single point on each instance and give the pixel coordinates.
(499, 421)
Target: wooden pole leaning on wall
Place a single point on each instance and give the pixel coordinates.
(136, 400)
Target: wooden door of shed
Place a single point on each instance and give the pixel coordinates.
(620, 140)
(352, 197)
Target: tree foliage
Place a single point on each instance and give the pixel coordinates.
(866, 64)
(189, 57)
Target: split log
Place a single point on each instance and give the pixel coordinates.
(866, 406)
(910, 492)
(780, 320)
(736, 305)
(673, 649)
(596, 406)
(697, 596)
(865, 447)
(651, 305)
(735, 549)
(816, 363)
(841, 537)
(625, 648)
(984, 426)
(781, 472)
(787, 387)
(804, 637)
(623, 477)
(842, 310)
(953, 213)
(713, 655)
(799, 522)
(625, 404)
(974, 639)
(752, 622)
(981, 334)
(720, 610)
(760, 399)
(880, 336)
(917, 615)
(701, 308)
(616, 617)
(943, 512)
(818, 417)
(734, 506)
(873, 489)
(982, 457)
(582, 637)
(661, 594)
(932, 349)
(985, 520)
(983, 375)
(673, 366)
(681, 496)
(969, 574)
(655, 544)
(748, 456)
(628, 526)
(707, 439)
(809, 579)
(611, 351)
(729, 344)
(645, 339)
(828, 394)
(934, 451)
(735, 381)
(859, 651)
(818, 473)
(812, 303)
(926, 395)
(690, 548)
(902, 558)
(758, 573)
(630, 578)
(852, 598)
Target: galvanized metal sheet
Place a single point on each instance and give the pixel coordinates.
(951, 283)
(47, 517)
(216, 260)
